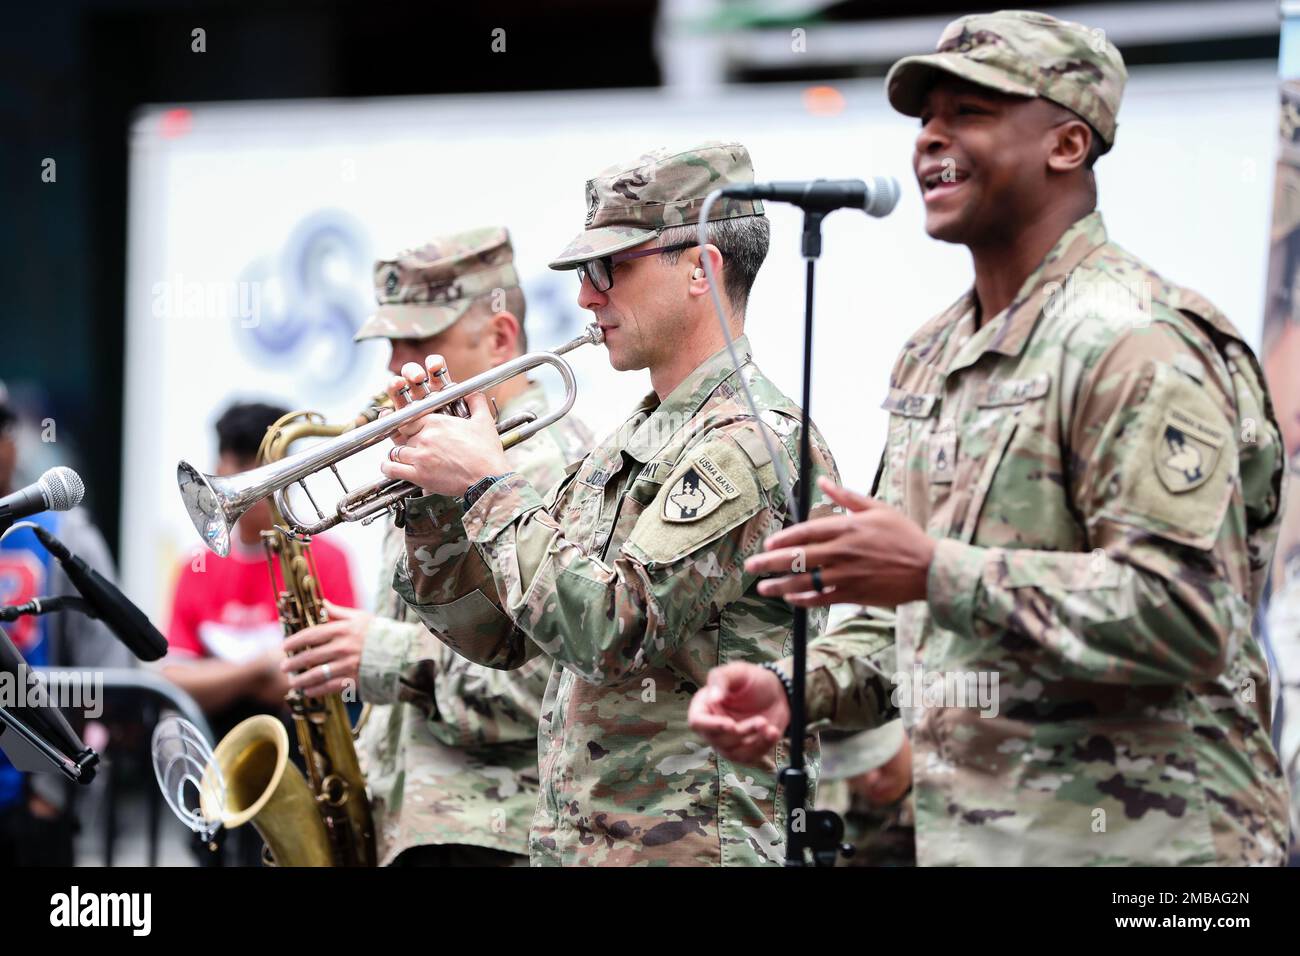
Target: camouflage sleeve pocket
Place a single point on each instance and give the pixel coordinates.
(1178, 472)
(711, 491)
(464, 622)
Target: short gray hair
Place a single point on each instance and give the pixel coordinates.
(483, 309)
(743, 242)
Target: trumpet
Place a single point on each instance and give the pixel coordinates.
(214, 504)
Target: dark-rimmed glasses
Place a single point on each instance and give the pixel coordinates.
(601, 271)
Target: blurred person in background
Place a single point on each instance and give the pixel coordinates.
(1281, 359)
(224, 637)
(1281, 617)
(37, 818)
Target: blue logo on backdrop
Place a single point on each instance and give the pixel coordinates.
(309, 300)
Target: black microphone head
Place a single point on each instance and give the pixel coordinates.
(882, 196)
(63, 488)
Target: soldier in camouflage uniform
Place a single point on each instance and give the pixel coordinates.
(630, 573)
(449, 747)
(1078, 498)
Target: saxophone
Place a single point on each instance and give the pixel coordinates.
(322, 818)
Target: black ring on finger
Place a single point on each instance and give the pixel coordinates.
(816, 575)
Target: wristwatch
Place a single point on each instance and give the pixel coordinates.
(475, 491)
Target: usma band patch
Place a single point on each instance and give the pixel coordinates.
(1187, 451)
(698, 492)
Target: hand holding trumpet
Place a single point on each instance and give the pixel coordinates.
(443, 454)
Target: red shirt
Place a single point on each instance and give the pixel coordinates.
(225, 607)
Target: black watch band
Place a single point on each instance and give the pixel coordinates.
(475, 491)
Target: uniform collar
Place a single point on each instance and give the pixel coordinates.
(661, 420)
(1007, 332)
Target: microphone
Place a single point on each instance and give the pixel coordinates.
(46, 605)
(876, 197)
(113, 607)
(59, 489)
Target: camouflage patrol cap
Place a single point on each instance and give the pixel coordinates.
(1024, 54)
(423, 291)
(630, 203)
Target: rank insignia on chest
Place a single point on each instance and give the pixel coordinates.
(943, 453)
(698, 492)
(1187, 451)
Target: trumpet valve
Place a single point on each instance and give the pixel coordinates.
(459, 408)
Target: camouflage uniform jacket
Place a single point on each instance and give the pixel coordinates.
(631, 577)
(1105, 493)
(450, 747)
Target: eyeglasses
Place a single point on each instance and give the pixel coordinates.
(601, 271)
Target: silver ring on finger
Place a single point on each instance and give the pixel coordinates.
(325, 668)
(394, 454)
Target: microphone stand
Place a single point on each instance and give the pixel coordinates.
(80, 768)
(820, 832)
(815, 833)
(46, 605)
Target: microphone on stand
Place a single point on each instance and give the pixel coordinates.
(812, 835)
(47, 605)
(59, 489)
(110, 605)
(876, 197)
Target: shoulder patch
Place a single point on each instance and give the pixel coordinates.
(1177, 465)
(713, 490)
(698, 492)
(709, 470)
(1188, 450)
